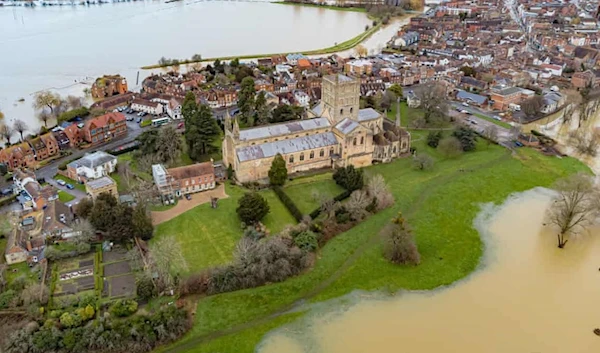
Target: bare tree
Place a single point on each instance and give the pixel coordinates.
(357, 204)
(20, 127)
(573, 101)
(574, 208)
(124, 171)
(490, 132)
(360, 51)
(586, 143)
(74, 102)
(167, 260)
(450, 147)
(433, 103)
(46, 99)
(169, 145)
(533, 105)
(422, 161)
(44, 116)
(85, 231)
(378, 189)
(398, 243)
(6, 132)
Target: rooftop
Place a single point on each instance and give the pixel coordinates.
(93, 160)
(346, 126)
(191, 171)
(339, 78)
(100, 183)
(270, 149)
(368, 114)
(289, 127)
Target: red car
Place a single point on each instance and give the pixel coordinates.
(181, 125)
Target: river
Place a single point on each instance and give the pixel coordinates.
(61, 48)
(527, 296)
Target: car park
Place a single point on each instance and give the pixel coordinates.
(465, 104)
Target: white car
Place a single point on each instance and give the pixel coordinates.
(61, 182)
(465, 104)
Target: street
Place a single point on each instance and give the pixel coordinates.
(504, 136)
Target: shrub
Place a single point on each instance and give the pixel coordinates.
(255, 232)
(349, 178)
(69, 320)
(123, 308)
(197, 283)
(450, 147)
(433, 138)
(379, 191)
(8, 299)
(422, 161)
(252, 207)
(288, 203)
(307, 241)
(145, 288)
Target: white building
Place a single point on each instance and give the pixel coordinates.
(302, 98)
(174, 109)
(142, 105)
(92, 166)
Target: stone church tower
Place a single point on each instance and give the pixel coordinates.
(340, 96)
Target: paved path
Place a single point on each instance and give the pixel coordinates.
(185, 205)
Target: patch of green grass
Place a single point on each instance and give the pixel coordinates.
(440, 205)
(208, 236)
(306, 195)
(3, 242)
(64, 196)
(499, 123)
(145, 123)
(77, 186)
(18, 270)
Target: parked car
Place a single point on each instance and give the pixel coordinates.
(496, 117)
(188, 196)
(129, 118)
(181, 125)
(70, 187)
(130, 111)
(465, 104)
(144, 114)
(61, 182)
(518, 144)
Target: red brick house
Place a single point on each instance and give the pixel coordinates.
(582, 79)
(74, 134)
(18, 156)
(44, 147)
(104, 128)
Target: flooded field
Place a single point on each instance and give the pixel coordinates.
(527, 296)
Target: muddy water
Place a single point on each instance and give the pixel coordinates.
(528, 296)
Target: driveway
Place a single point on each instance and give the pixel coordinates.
(185, 205)
(75, 192)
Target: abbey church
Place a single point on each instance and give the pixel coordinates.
(336, 134)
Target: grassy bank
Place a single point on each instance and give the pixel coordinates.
(440, 204)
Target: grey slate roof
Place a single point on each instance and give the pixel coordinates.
(346, 126)
(283, 129)
(270, 149)
(479, 99)
(318, 109)
(338, 77)
(93, 160)
(368, 114)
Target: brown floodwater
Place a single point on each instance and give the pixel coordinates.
(527, 296)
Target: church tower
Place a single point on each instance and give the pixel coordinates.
(340, 96)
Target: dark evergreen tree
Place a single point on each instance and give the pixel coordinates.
(252, 207)
(278, 171)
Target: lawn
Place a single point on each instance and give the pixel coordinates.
(77, 185)
(64, 196)
(306, 192)
(499, 123)
(440, 205)
(3, 242)
(208, 236)
(18, 270)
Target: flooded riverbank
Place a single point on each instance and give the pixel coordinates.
(527, 296)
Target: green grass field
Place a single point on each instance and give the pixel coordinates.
(70, 181)
(64, 196)
(208, 236)
(306, 191)
(440, 205)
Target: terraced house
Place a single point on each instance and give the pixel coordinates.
(104, 128)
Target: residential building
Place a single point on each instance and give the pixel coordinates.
(92, 166)
(292, 59)
(581, 80)
(503, 97)
(113, 102)
(337, 134)
(44, 146)
(406, 39)
(359, 67)
(108, 86)
(102, 185)
(30, 194)
(18, 156)
(174, 109)
(104, 128)
(176, 182)
(472, 98)
(147, 106)
(301, 98)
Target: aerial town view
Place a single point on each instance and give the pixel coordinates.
(299, 176)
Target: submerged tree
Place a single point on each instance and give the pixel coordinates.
(575, 207)
(20, 127)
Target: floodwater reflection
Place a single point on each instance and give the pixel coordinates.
(527, 296)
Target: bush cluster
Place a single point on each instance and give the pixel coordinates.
(349, 178)
(56, 252)
(123, 308)
(140, 333)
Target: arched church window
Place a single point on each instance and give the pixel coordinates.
(291, 159)
(321, 153)
(362, 140)
(312, 154)
(331, 151)
(354, 142)
(351, 110)
(342, 111)
(301, 156)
